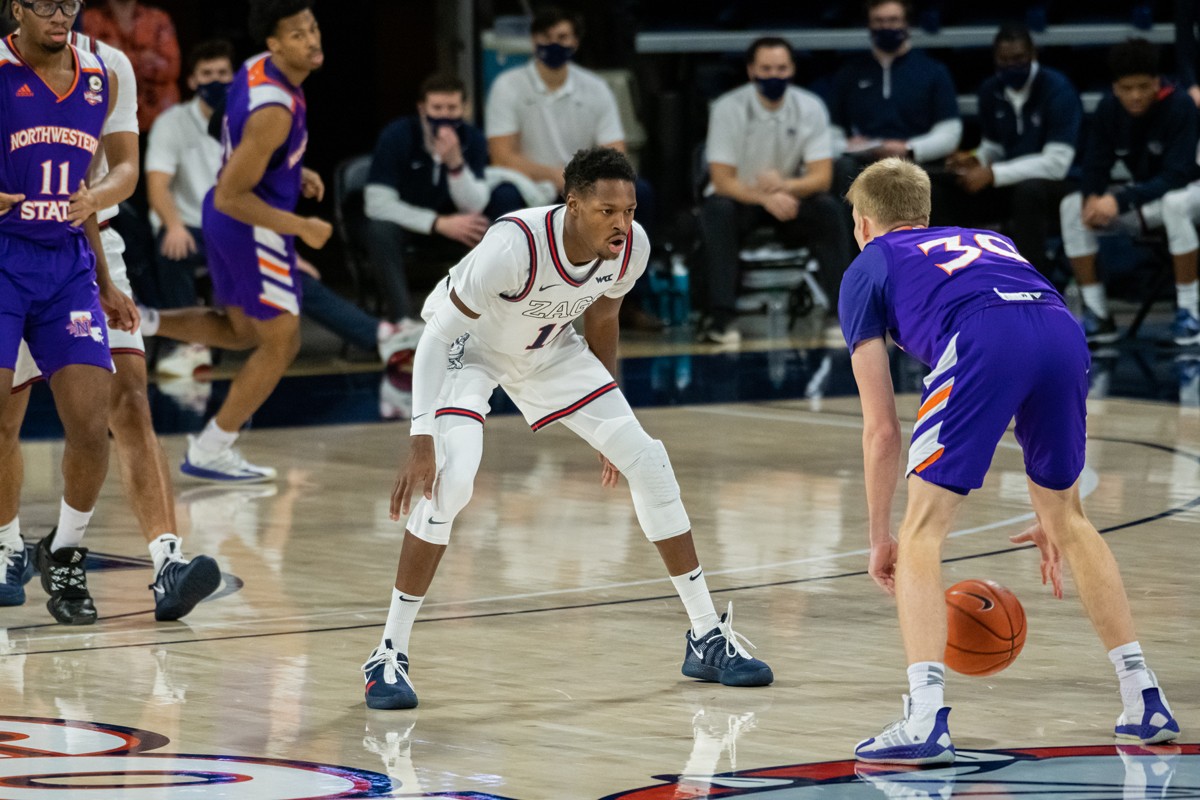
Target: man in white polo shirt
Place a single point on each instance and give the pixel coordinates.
(770, 159)
(182, 161)
(541, 113)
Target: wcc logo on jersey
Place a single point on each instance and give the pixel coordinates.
(81, 327)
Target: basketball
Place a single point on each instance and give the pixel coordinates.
(985, 627)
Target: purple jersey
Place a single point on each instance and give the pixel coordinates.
(259, 84)
(918, 284)
(48, 142)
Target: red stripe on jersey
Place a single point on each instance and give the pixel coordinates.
(532, 259)
(571, 409)
(459, 412)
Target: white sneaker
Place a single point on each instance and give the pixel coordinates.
(911, 740)
(398, 341)
(224, 466)
(1152, 722)
(185, 360)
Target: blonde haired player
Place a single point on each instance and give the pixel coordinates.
(504, 317)
(965, 302)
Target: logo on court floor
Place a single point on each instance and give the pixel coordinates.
(1066, 773)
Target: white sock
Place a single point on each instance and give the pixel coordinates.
(401, 617)
(926, 688)
(1132, 672)
(150, 319)
(693, 591)
(1095, 298)
(72, 525)
(167, 547)
(213, 439)
(1187, 297)
(10, 535)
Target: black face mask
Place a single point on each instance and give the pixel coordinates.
(554, 55)
(1014, 77)
(772, 88)
(213, 93)
(436, 123)
(889, 40)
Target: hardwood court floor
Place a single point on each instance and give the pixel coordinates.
(547, 654)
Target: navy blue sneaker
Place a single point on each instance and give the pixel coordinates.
(180, 585)
(1185, 329)
(386, 676)
(1098, 329)
(1153, 725)
(915, 741)
(719, 657)
(16, 568)
(65, 580)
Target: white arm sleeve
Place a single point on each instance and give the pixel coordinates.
(470, 194)
(989, 152)
(384, 203)
(429, 365)
(1052, 164)
(939, 142)
(123, 118)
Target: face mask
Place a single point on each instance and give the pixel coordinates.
(436, 123)
(213, 93)
(1014, 77)
(889, 40)
(554, 55)
(772, 88)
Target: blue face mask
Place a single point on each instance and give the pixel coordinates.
(554, 55)
(1014, 77)
(889, 40)
(436, 123)
(772, 88)
(213, 93)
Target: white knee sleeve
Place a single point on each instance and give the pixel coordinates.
(459, 447)
(656, 493)
(1177, 221)
(1078, 239)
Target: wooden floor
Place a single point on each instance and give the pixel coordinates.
(547, 654)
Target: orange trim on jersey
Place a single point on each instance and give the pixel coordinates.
(257, 76)
(274, 268)
(267, 302)
(930, 460)
(933, 400)
(74, 57)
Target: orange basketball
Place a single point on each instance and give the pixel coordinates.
(986, 627)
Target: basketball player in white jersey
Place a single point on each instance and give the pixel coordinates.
(504, 317)
(178, 584)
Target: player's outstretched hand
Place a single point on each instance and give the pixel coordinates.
(83, 205)
(311, 185)
(609, 475)
(882, 565)
(421, 470)
(1051, 558)
(120, 309)
(316, 232)
(9, 201)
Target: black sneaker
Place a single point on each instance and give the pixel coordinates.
(1098, 329)
(180, 585)
(719, 657)
(65, 580)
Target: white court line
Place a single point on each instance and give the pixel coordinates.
(1088, 484)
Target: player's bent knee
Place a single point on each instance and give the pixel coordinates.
(656, 493)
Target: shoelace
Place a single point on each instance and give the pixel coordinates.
(168, 575)
(231, 460)
(70, 576)
(391, 666)
(733, 639)
(7, 560)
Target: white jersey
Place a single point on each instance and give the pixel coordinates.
(123, 118)
(526, 291)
